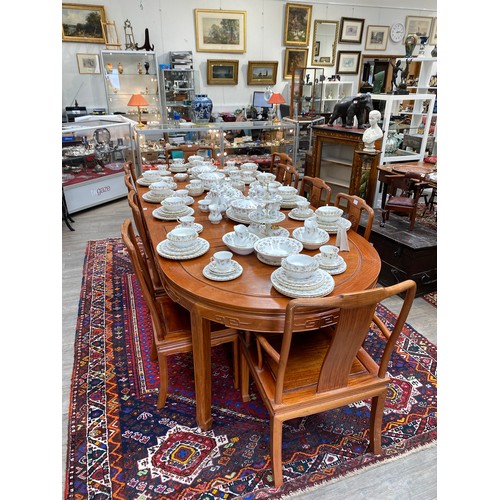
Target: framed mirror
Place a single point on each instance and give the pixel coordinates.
(324, 46)
(376, 72)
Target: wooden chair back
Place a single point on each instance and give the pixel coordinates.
(316, 190)
(279, 158)
(354, 206)
(287, 175)
(129, 169)
(319, 362)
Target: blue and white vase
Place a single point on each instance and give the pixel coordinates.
(202, 108)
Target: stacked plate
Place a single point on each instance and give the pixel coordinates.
(178, 169)
(291, 202)
(319, 284)
(333, 227)
(337, 267)
(163, 213)
(169, 250)
(210, 272)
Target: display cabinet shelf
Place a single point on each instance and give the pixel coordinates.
(178, 88)
(126, 73)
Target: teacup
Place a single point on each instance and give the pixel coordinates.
(194, 158)
(329, 254)
(299, 266)
(287, 192)
(241, 234)
(160, 188)
(207, 163)
(302, 207)
(328, 214)
(265, 177)
(196, 183)
(178, 161)
(181, 177)
(182, 193)
(186, 221)
(235, 174)
(151, 175)
(204, 204)
(182, 237)
(230, 163)
(162, 168)
(221, 262)
(173, 204)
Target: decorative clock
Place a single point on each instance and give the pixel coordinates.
(397, 32)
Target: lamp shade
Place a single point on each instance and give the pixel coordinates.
(137, 100)
(276, 98)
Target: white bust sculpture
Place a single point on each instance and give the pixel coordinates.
(374, 132)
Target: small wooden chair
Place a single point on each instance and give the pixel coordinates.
(171, 322)
(129, 169)
(287, 175)
(316, 190)
(279, 158)
(354, 209)
(300, 373)
(404, 191)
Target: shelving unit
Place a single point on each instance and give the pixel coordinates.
(306, 91)
(332, 93)
(178, 88)
(227, 138)
(128, 72)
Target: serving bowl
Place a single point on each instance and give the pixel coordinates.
(273, 249)
(246, 249)
(299, 266)
(328, 214)
(211, 179)
(242, 207)
(319, 238)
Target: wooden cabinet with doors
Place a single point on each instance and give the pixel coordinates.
(334, 159)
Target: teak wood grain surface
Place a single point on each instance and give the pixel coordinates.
(249, 302)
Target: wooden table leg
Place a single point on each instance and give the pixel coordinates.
(200, 331)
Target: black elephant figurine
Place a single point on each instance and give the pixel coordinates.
(358, 106)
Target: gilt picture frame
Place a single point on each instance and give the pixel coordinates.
(297, 24)
(348, 62)
(83, 23)
(294, 57)
(88, 64)
(376, 37)
(222, 72)
(262, 72)
(351, 30)
(433, 39)
(220, 30)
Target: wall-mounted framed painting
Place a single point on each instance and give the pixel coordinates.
(418, 25)
(297, 24)
(220, 30)
(348, 62)
(82, 23)
(376, 37)
(351, 30)
(262, 72)
(222, 72)
(88, 64)
(294, 58)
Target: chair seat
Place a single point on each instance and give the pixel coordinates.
(400, 201)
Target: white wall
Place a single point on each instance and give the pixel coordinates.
(171, 27)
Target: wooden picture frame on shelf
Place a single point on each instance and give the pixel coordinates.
(262, 72)
(222, 72)
(297, 24)
(294, 58)
(418, 25)
(351, 30)
(376, 37)
(82, 23)
(88, 64)
(348, 62)
(433, 39)
(220, 30)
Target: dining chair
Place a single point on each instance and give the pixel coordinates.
(152, 272)
(404, 191)
(129, 169)
(287, 174)
(129, 182)
(279, 158)
(300, 373)
(171, 322)
(354, 207)
(316, 190)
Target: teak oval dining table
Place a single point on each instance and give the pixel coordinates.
(247, 303)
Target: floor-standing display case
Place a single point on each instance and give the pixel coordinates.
(94, 150)
(239, 141)
(306, 91)
(129, 72)
(178, 88)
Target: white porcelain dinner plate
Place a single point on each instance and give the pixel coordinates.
(152, 198)
(333, 228)
(199, 248)
(314, 281)
(235, 271)
(159, 213)
(325, 287)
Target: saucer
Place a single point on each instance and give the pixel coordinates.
(323, 289)
(200, 247)
(159, 213)
(335, 269)
(152, 198)
(232, 274)
(236, 218)
(143, 182)
(198, 227)
(261, 232)
(188, 200)
(263, 219)
(293, 214)
(333, 228)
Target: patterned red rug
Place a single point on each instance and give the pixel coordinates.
(120, 446)
(432, 298)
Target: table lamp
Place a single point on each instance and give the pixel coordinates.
(138, 100)
(276, 99)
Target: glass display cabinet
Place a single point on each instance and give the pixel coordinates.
(177, 89)
(306, 91)
(129, 72)
(239, 141)
(94, 150)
